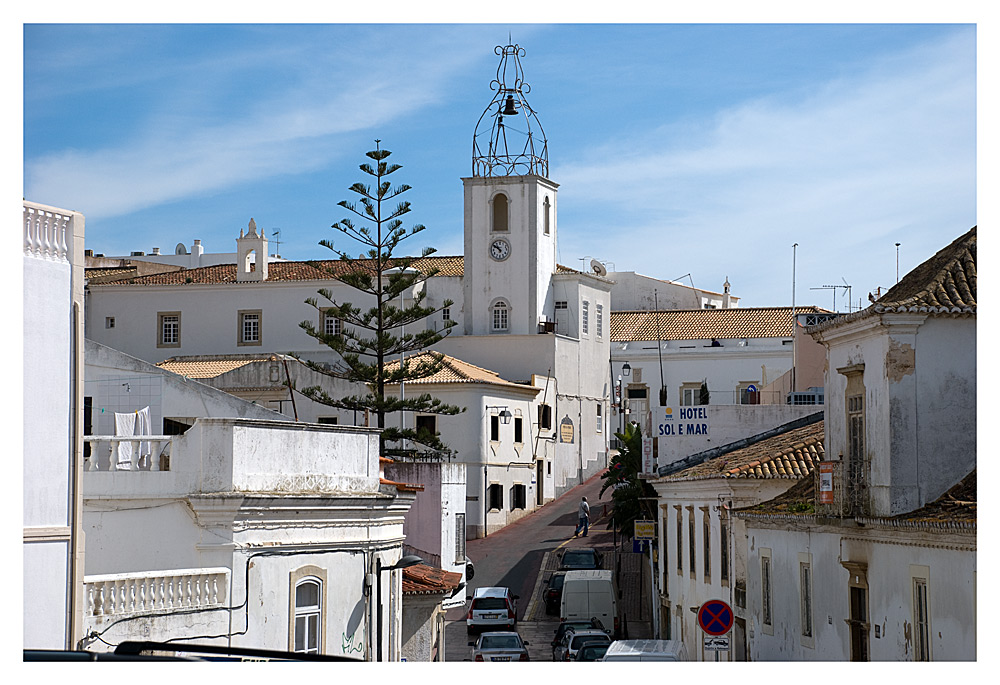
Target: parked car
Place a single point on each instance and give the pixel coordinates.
(553, 592)
(574, 625)
(580, 559)
(574, 639)
(591, 651)
(492, 608)
(499, 646)
(646, 650)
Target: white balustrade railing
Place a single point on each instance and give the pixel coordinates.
(45, 234)
(121, 594)
(128, 453)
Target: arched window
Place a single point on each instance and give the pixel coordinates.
(308, 613)
(500, 212)
(501, 314)
(547, 209)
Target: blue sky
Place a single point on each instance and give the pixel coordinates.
(701, 149)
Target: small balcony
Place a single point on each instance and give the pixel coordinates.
(118, 595)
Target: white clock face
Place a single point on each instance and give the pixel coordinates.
(499, 249)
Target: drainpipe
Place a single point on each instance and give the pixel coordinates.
(76, 568)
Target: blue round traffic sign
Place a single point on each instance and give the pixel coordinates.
(715, 617)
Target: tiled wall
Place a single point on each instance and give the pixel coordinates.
(127, 393)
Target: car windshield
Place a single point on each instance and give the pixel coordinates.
(489, 604)
(582, 639)
(500, 642)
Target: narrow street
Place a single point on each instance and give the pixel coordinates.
(523, 555)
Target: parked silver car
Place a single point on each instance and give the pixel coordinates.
(492, 608)
(499, 646)
(574, 639)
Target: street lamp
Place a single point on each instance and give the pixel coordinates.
(626, 369)
(408, 560)
(504, 414)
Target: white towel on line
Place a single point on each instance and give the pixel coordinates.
(124, 426)
(142, 427)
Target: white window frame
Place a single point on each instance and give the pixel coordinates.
(766, 592)
(500, 314)
(162, 321)
(446, 314)
(599, 311)
(585, 318)
(807, 606)
(329, 321)
(920, 592)
(460, 537)
(244, 318)
(298, 616)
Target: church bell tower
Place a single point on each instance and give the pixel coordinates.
(510, 212)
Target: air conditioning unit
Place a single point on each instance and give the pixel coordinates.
(546, 326)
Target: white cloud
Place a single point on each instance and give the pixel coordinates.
(883, 153)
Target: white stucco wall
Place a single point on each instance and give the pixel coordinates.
(890, 555)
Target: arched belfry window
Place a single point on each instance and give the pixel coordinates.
(501, 209)
(547, 218)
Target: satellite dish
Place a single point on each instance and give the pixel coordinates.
(598, 268)
(180, 249)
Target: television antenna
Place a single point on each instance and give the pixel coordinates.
(277, 242)
(845, 287)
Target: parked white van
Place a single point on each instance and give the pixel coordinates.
(590, 594)
(646, 650)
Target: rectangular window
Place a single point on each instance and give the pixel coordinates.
(765, 590)
(518, 496)
(109, 322)
(544, 417)
(585, 318)
(600, 321)
(680, 540)
(706, 525)
(600, 419)
(496, 497)
(446, 314)
(921, 621)
(327, 420)
(692, 565)
(518, 430)
(249, 323)
(330, 325)
(562, 304)
(724, 548)
(168, 329)
(460, 538)
(805, 599)
(495, 428)
(689, 394)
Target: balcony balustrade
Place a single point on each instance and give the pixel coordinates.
(45, 234)
(122, 594)
(127, 453)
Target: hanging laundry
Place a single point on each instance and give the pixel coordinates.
(125, 427)
(143, 427)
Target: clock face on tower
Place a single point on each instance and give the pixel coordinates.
(499, 249)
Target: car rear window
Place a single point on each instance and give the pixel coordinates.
(500, 642)
(489, 604)
(578, 557)
(557, 582)
(583, 639)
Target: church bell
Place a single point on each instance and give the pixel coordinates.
(509, 106)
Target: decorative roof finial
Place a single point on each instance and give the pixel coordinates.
(509, 151)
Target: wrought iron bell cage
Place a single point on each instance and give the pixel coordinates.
(500, 146)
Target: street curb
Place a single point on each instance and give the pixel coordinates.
(529, 613)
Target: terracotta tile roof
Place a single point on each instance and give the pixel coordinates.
(311, 270)
(705, 324)
(944, 284)
(791, 454)
(421, 579)
(210, 366)
(455, 371)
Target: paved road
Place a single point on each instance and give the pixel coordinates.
(514, 556)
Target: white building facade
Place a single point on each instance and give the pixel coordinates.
(53, 553)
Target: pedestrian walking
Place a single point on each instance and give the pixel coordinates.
(584, 523)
